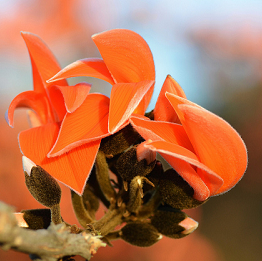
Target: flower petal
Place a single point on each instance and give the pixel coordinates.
(175, 100)
(174, 153)
(163, 110)
(32, 100)
(142, 106)
(33, 119)
(144, 153)
(92, 67)
(216, 143)
(128, 58)
(159, 130)
(42, 59)
(125, 97)
(72, 168)
(57, 102)
(88, 122)
(67, 98)
(75, 95)
(126, 55)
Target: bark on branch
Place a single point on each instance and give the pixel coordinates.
(49, 244)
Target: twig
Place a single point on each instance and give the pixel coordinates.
(49, 244)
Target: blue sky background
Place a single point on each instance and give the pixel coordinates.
(165, 25)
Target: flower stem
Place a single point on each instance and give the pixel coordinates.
(110, 220)
(82, 215)
(56, 214)
(102, 175)
(146, 210)
(113, 236)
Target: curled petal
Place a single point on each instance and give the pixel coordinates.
(75, 95)
(125, 97)
(91, 67)
(126, 55)
(72, 168)
(88, 122)
(31, 100)
(145, 153)
(43, 61)
(158, 130)
(39, 85)
(57, 102)
(216, 143)
(128, 58)
(181, 160)
(163, 110)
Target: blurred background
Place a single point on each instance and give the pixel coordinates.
(212, 48)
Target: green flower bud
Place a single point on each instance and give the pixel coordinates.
(176, 192)
(120, 141)
(37, 218)
(173, 223)
(155, 175)
(140, 234)
(43, 187)
(128, 165)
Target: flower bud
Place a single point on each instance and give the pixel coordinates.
(128, 166)
(43, 187)
(37, 218)
(140, 234)
(155, 175)
(120, 141)
(173, 223)
(176, 192)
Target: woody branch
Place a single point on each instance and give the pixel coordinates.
(48, 244)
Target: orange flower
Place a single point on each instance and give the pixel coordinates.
(203, 148)
(127, 64)
(73, 122)
(51, 103)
